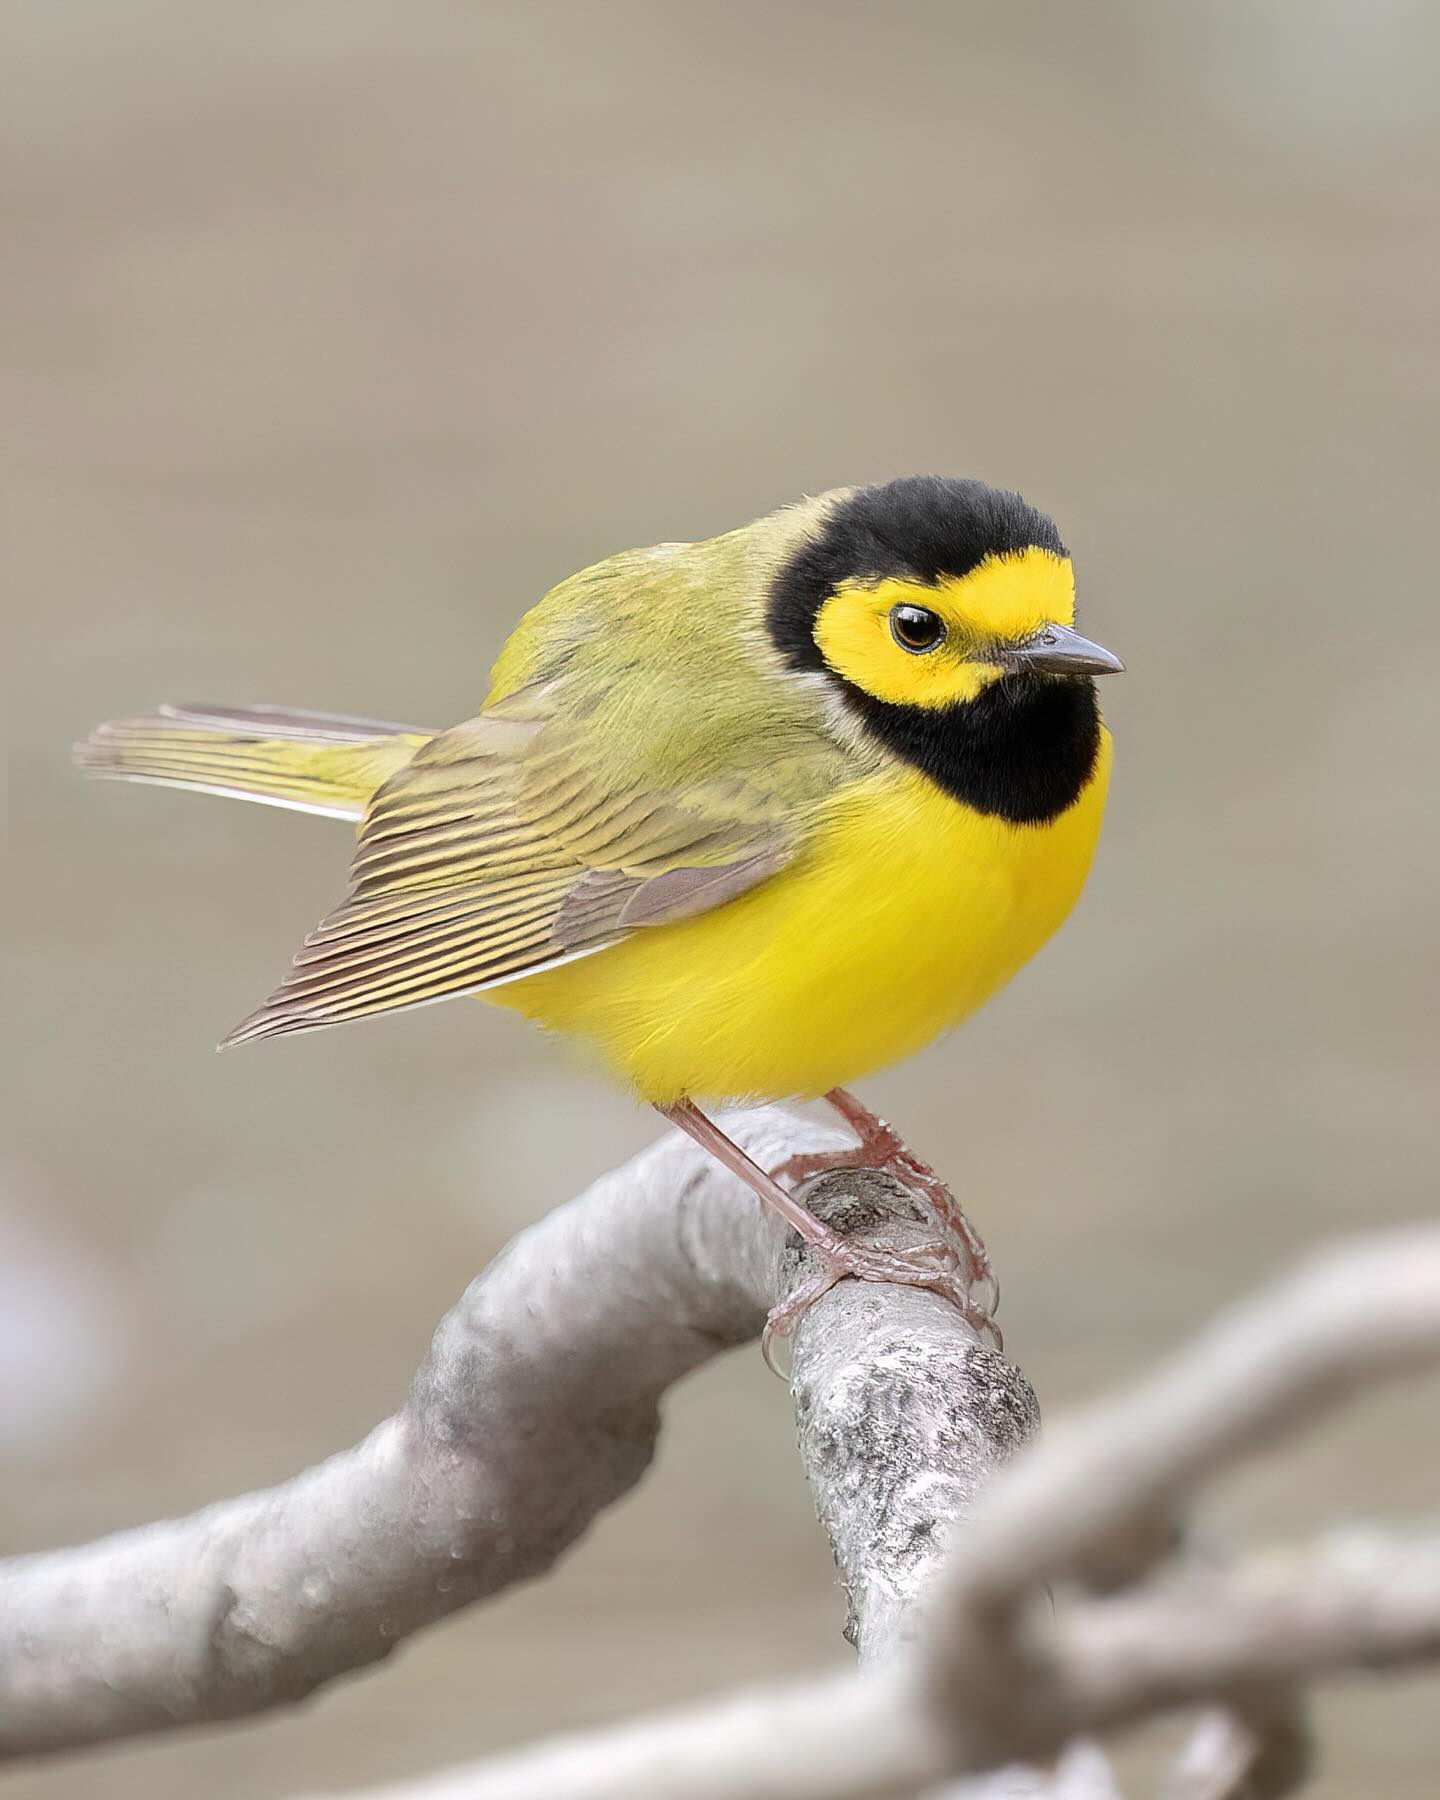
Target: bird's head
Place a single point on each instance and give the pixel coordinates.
(927, 591)
(944, 612)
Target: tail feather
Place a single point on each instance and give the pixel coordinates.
(285, 722)
(314, 762)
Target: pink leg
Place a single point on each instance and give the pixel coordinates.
(725, 1150)
(924, 1265)
(881, 1147)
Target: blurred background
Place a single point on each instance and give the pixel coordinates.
(340, 332)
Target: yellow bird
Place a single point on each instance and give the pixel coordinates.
(750, 817)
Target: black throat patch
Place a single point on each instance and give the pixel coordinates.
(1023, 751)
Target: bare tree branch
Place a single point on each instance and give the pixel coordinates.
(1258, 1745)
(867, 1736)
(1225, 1758)
(536, 1407)
(999, 1677)
(1358, 1312)
(904, 1417)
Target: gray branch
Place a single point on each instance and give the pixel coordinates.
(871, 1736)
(1000, 1675)
(904, 1417)
(536, 1407)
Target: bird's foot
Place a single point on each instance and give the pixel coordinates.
(880, 1146)
(934, 1266)
(952, 1267)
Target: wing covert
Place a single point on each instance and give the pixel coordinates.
(507, 846)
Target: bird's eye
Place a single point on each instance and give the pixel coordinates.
(916, 628)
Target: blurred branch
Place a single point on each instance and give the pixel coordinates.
(867, 1737)
(1360, 1312)
(1256, 1746)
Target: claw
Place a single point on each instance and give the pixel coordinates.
(881, 1147)
(933, 1266)
(952, 1269)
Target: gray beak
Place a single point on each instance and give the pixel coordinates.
(1057, 650)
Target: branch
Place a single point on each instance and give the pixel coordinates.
(998, 1678)
(1354, 1314)
(536, 1408)
(1258, 1745)
(904, 1416)
(847, 1737)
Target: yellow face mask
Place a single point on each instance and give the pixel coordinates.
(916, 644)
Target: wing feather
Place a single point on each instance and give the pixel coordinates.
(510, 845)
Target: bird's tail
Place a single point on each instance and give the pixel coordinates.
(313, 762)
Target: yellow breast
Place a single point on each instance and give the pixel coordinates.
(904, 914)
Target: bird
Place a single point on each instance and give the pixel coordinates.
(748, 818)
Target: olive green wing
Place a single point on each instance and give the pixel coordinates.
(514, 843)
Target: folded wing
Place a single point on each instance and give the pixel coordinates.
(504, 847)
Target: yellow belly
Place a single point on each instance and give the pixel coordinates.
(907, 911)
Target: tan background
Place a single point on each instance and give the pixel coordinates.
(343, 330)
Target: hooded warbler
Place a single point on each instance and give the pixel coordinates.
(750, 817)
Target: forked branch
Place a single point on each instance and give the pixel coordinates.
(538, 1405)
(1005, 1673)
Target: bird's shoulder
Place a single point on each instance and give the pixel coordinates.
(657, 664)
